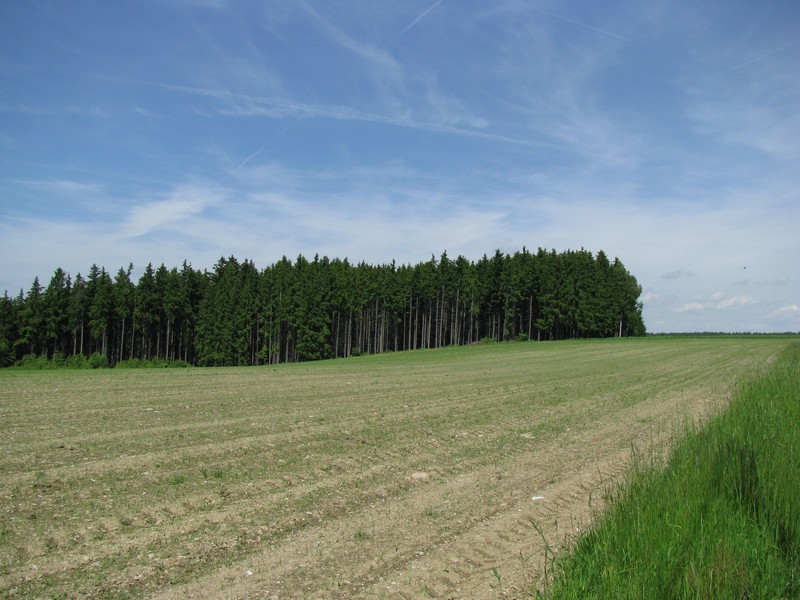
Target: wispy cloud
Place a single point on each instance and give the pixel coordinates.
(580, 24)
(751, 104)
(677, 274)
(64, 186)
(736, 302)
(389, 67)
(214, 4)
(691, 307)
(184, 202)
(791, 310)
(557, 99)
(718, 301)
(779, 282)
(252, 105)
(94, 111)
(244, 162)
(760, 57)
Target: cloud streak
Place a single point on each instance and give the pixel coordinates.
(372, 54)
(760, 57)
(420, 17)
(580, 24)
(249, 105)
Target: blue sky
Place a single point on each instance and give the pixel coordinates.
(663, 132)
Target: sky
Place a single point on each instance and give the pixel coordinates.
(664, 133)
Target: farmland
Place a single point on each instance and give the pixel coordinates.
(400, 475)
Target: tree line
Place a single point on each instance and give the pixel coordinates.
(304, 309)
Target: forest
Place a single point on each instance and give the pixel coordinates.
(303, 310)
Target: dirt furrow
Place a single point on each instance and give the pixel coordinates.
(478, 535)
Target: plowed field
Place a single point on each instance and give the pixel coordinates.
(420, 474)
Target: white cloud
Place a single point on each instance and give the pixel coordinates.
(184, 202)
(692, 307)
(718, 301)
(64, 186)
(650, 297)
(791, 310)
(736, 302)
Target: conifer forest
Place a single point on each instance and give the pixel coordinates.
(305, 309)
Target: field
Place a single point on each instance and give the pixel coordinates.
(418, 474)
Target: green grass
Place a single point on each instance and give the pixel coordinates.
(721, 520)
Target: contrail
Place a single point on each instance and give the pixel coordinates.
(254, 154)
(574, 22)
(747, 63)
(422, 16)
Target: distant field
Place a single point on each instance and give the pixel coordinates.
(398, 475)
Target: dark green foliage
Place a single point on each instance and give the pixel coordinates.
(311, 310)
(31, 319)
(153, 363)
(9, 333)
(98, 361)
(33, 362)
(76, 361)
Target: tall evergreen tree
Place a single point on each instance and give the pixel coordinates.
(124, 303)
(56, 312)
(32, 330)
(9, 329)
(78, 314)
(100, 290)
(145, 313)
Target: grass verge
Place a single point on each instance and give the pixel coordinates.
(720, 520)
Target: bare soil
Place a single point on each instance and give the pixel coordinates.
(452, 474)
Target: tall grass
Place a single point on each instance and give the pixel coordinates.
(720, 520)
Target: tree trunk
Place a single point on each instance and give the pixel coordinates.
(530, 316)
(122, 339)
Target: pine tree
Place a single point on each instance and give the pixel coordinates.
(32, 330)
(124, 302)
(78, 314)
(144, 314)
(100, 291)
(56, 313)
(9, 329)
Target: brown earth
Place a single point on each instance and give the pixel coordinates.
(499, 520)
(444, 475)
